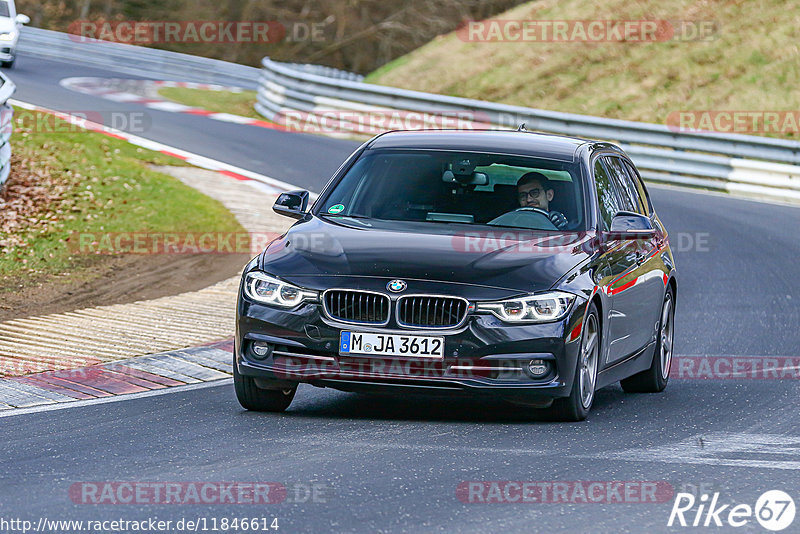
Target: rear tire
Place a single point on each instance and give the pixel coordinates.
(8, 64)
(254, 398)
(577, 406)
(655, 379)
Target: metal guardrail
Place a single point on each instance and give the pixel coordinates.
(7, 89)
(752, 165)
(322, 70)
(137, 60)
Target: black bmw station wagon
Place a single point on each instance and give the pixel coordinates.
(528, 267)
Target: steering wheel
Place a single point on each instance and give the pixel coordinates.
(540, 211)
(524, 218)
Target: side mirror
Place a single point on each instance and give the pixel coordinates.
(629, 225)
(292, 204)
(22, 19)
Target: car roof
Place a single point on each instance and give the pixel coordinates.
(520, 143)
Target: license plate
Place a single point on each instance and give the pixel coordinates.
(391, 345)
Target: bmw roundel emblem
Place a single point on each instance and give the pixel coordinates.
(396, 286)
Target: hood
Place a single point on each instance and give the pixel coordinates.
(7, 25)
(519, 261)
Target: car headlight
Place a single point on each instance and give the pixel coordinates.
(267, 289)
(7, 36)
(541, 308)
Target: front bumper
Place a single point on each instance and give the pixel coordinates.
(484, 356)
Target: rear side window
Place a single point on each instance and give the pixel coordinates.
(606, 196)
(628, 195)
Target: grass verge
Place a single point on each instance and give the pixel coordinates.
(67, 180)
(218, 101)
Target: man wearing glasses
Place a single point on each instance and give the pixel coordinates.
(534, 190)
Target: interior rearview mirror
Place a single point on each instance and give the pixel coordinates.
(292, 204)
(475, 178)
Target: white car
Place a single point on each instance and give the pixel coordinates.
(10, 25)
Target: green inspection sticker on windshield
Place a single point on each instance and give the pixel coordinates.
(338, 208)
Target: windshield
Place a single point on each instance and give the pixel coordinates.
(4, 11)
(441, 187)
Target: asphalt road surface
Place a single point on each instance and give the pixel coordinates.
(395, 464)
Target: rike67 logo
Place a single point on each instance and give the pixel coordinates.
(774, 510)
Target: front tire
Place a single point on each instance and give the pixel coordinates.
(254, 398)
(577, 406)
(655, 379)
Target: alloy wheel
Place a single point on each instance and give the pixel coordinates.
(588, 361)
(666, 338)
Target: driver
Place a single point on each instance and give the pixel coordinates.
(534, 190)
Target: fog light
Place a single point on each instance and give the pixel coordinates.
(261, 350)
(538, 368)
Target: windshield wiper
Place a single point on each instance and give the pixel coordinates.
(473, 223)
(354, 218)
